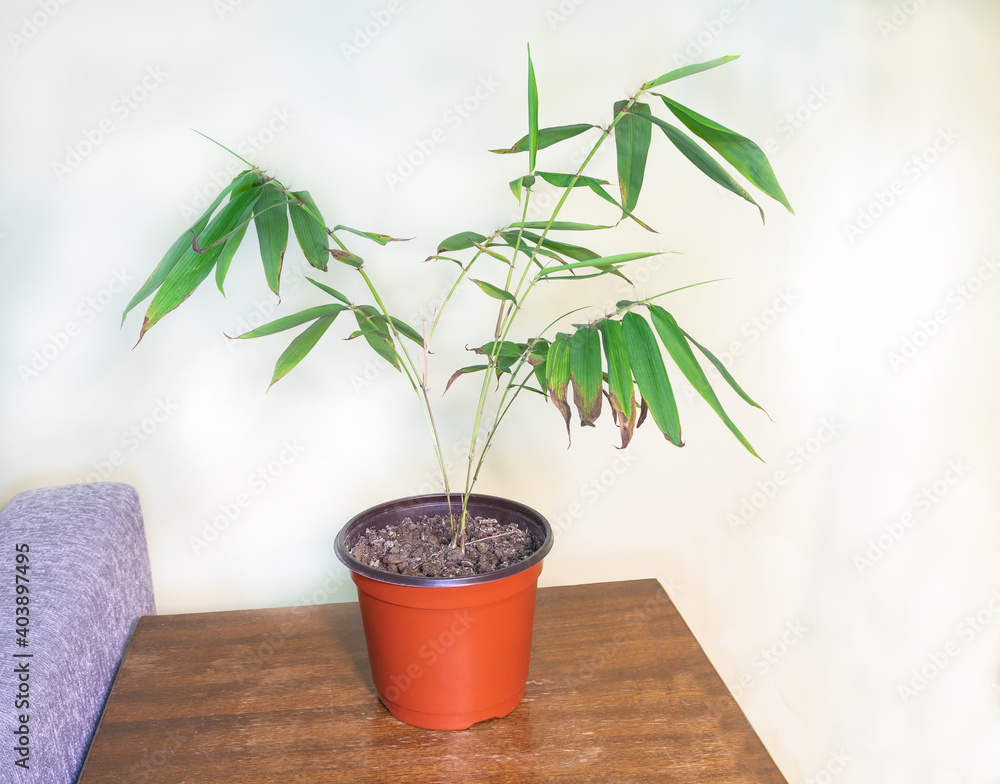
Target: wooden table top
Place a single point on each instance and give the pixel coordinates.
(619, 691)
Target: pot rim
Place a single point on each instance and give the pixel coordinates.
(525, 513)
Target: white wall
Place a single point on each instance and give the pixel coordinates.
(821, 582)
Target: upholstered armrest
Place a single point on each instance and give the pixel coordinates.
(67, 608)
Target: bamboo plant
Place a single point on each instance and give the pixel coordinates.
(616, 357)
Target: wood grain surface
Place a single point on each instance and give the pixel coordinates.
(619, 691)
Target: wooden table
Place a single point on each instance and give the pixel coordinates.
(619, 691)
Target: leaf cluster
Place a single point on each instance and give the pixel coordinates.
(620, 358)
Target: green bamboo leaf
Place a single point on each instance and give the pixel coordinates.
(585, 373)
(557, 373)
(744, 155)
(505, 354)
(547, 137)
(705, 162)
(271, 219)
(196, 262)
(247, 179)
(621, 388)
(348, 258)
(725, 374)
(632, 139)
(232, 243)
(182, 244)
(191, 269)
(401, 326)
(407, 331)
(462, 372)
(228, 223)
(575, 252)
(539, 372)
(292, 321)
(332, 292)
(310, 230)
(370, 318)
(494, 291)
(516, 186)
(376, 333)
(679, 350)
(651, 376)
(166, 264)
(688, 70)
(538, 352)
(460, 241)
(532, 115)
(381, 239)
(557, 226)
(564, 180)
(522, 243)
(498, 256)
(537, 356)
(561, 180)
(300, 347)
(604, 262)
(445, 258)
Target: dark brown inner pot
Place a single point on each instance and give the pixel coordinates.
(502, 509)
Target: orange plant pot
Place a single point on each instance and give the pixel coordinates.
(447, 653)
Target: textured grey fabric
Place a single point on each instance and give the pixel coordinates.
(89, 581)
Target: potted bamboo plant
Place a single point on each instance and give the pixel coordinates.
(447, 582)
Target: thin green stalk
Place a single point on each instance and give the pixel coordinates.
(422, 394)
(507, 322)
(465, 271)
(413, 370)
(484, 390)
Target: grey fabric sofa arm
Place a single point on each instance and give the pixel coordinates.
(74, 578)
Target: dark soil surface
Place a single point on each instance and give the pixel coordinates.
(423, 548)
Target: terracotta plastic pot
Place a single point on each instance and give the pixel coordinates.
(446, 653)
